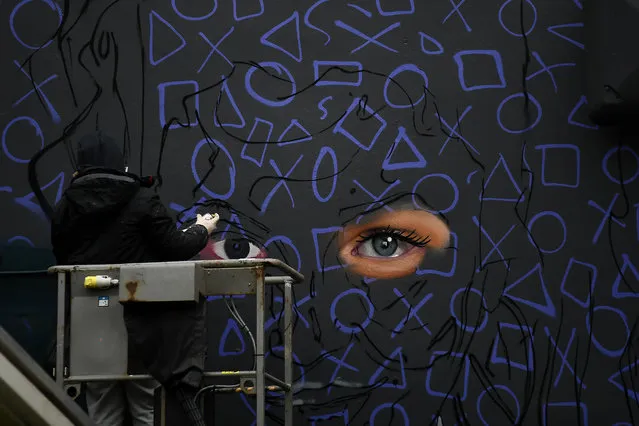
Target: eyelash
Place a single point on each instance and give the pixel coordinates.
(410, 237)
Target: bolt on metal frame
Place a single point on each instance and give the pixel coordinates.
(69, 275)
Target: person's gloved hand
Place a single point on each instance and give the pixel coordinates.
(209, 221)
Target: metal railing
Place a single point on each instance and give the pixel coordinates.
(211, 278)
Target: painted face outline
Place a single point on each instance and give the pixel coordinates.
(413, 232)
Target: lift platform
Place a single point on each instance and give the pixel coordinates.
(92, 341)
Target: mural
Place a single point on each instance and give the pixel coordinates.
(295, 121)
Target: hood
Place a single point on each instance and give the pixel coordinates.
(99, 150)
(90, 205)
(101, 187)
(100, 193)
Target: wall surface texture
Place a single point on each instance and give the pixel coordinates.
(290, 118)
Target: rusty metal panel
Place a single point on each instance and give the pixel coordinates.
(228, 281)
(158, 282)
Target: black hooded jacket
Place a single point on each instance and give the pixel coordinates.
(106, 216)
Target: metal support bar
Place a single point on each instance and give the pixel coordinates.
(162, 406)
(277, 381)
(260, 405)
(42, 272)
(238, 390)
(276, 280)
(60, 328)
(228, 263)
(288, 352)
(106, 378)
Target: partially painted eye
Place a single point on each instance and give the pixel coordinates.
(393, 244)
(232, 248)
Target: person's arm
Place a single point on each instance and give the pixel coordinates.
(170, 243)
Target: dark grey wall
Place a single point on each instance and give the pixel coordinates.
(529, 319)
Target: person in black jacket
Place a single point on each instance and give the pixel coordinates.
(107, 216)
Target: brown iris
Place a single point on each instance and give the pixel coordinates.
(393, 244)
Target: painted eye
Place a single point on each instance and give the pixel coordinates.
(383, 244)
(393, 244)
(232, 248)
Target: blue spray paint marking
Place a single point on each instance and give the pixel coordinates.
(52, 5)
(325, 150)
(564, 232)
(192, 87)
(279, 69)
(553, 30)
(574, 264)
(231, 327)
(564, 357)
(215, 48)
(38, 133)
(395, 356)
(628, 292)
(198, 178)
(293, 20)
(548, 69)
(242, 17)
(425, 37)
(621, 349)
(347, 65)
(394, 407)
(442, 356)
(280, 183)
(499, 68)
(349, 328)
(457, 11)
(50, 108)
(225, 93)
(514, 6)
(502, 165)
(154, 20)
(194, 18)
(418, 161)
(28, 202)
(534, 277)
(564, 152)
(412, 313)
(453, 132)
(369, 40)
(339, 364)
(607, 215)
(583, 101)
(339, 129)
(495, 245)
(616, 378)
(534, 102)
(257, 147)
(393, 77)
(522, 336)
(606, 161)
